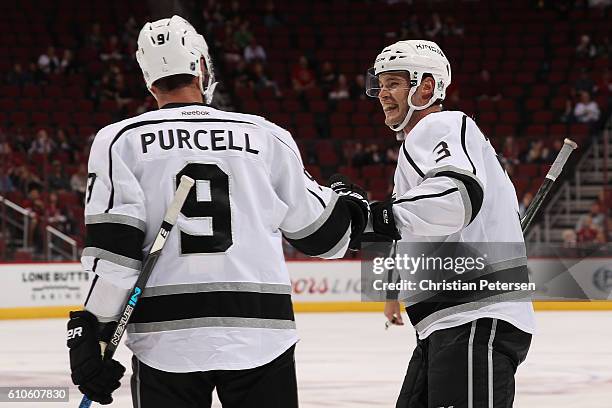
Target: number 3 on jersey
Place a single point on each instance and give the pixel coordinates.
(208, 202)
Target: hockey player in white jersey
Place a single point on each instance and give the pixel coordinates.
(449, 186)
(217, 311)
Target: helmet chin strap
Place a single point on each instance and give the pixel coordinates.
(399, 129)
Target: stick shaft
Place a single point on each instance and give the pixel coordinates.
(154, 253)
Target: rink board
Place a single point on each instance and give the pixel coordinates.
(37, 290)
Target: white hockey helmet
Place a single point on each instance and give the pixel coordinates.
(417, 58)
(172, 46)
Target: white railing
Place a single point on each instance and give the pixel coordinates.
(17, 217)
(59, 249)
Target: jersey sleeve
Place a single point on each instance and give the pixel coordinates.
(115, 215)
(316, 222)
(448, 197)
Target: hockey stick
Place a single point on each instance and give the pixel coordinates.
(132, 300)
(553, 173)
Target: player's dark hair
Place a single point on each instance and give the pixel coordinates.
(173, 82)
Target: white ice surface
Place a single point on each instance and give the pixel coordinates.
(348, 360)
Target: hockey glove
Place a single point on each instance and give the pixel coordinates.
(96, 378)
(356, 200)
(383, 223)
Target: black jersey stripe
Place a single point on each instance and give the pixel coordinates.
(416, 198)
(135, 125)
(328, 235)
(213, 304)
(412, 163)
(472, 186)
(93, 283)
(120, 239)
(459, 298)
(463, 126)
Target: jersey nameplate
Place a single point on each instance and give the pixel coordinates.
(201, 139)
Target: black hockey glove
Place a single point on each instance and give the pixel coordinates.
(356, 200)
(383, 223)
(96, 378)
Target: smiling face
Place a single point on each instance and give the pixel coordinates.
(393, 96)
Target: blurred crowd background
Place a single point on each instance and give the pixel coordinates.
(529, 72)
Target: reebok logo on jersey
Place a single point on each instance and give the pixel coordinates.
(72, 333)
(195, 112)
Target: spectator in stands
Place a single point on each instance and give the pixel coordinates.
(605, 48)
(17, 76)
(67, 64)
(537, 153)
(212, 14)
(232, 53)
(586, 110)
(584, 82)
(452, 28)
(259, 80)
(569, 238)
(254, 52)
(302, 76)
(510, 150)
(6, 183)
(596, 216)
(524, 204)
(391, 155)
(95, 37)
(485, 88)
(587, 233)
(48, 62)
(57, 180)
(78, 182)
(56, 216)
(327, 76)
(65, 147)
(35, 205)
(42, 144)
(434, 27)
(358, 87)
(411, 29)
(243, 35)
(34, 74)
(340, 90)
(373, 155)
(567, 116)
(271, 16)
(360, 157)
(604, 84)
(112, 50)
(585, 48)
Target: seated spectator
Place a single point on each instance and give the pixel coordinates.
(42, 144)
(568, 114)
(605, 48)
(67, 64)
(595, 216)
(56, 215)
(64, 146)
(360, 157)
(254, 52)
(327, 76)
(358, 87)
(585, 48)
(302, 76)
(243, 35)
(586, 110)
(510, 150)
(341, 90)
(271, 16)
(36, 207)
(112, 50)
(25, 180)
(604, 84)
(95, 38)
(584, 82)
(232, 52)
(587, 234)
(524, 204)
(57, 180)
(17, 76)
(411, 29)
(537, 153)
(259, 80)
(485, 88)
(78, 181)
(391, 155)
(48, 62)
(452, 28)
(569, 238)
(434, 27)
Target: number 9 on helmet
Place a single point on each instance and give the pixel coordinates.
(171, 46)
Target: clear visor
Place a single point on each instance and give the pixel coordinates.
(373, 85)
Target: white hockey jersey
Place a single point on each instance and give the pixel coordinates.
(220, 294)
(450, 186)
